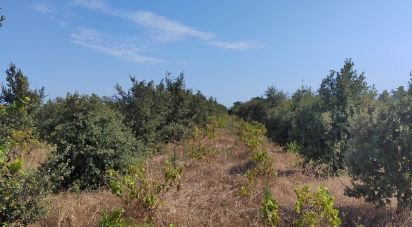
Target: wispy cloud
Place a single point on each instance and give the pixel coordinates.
(163, 29)
(44, 8)
(240, 45)
(110, 45)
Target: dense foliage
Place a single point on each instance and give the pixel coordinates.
(16, 92)
(20, 195)
(344, 125)
(317, 121)
(380, 158)
(20, 192)
(315, 208)
(167, 111)
(342, 94)
(90, 138)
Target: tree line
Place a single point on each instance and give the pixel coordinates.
(348, 126)
(85, 136)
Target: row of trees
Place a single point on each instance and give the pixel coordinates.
(87, 135)
(347, 125)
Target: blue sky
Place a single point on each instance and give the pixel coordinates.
(232, 50)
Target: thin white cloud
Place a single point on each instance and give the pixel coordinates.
(240, 45)
(163, 29)
(44, 8)
(111, 45)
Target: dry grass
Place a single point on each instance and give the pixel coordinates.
(210, 193)
(33, 158)
(85, 209)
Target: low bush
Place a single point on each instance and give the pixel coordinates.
(315, 209)
(21, 195)
(270, 209)
(263, 163)
(293, 147)
(138, 187)
(202, 142)
(253, 134)
(114, 218)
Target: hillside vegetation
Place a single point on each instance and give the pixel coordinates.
(164, 155)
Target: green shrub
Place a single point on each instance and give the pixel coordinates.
(343, 94)
(214, 123)
(253, 134)
(380, 158)
(270, 209)
(245, 189)
(21, 102)
(263, 163)
(310, 128)
(318, 122)
(114, 218)
(278, 122)
(21, 195)
(202, 142)
(271, 110)
(262, 166)
(90, 138)
(172, 173)
(166, 111)
(293, 147)
(315, 209)
(12, 117)
(137, 186)
(23, 140)
(252, 110)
